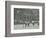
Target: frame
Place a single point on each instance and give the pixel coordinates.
(11, 7)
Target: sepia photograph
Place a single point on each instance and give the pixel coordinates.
(26, 18)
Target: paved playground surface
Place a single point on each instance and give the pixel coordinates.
(22, 26)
